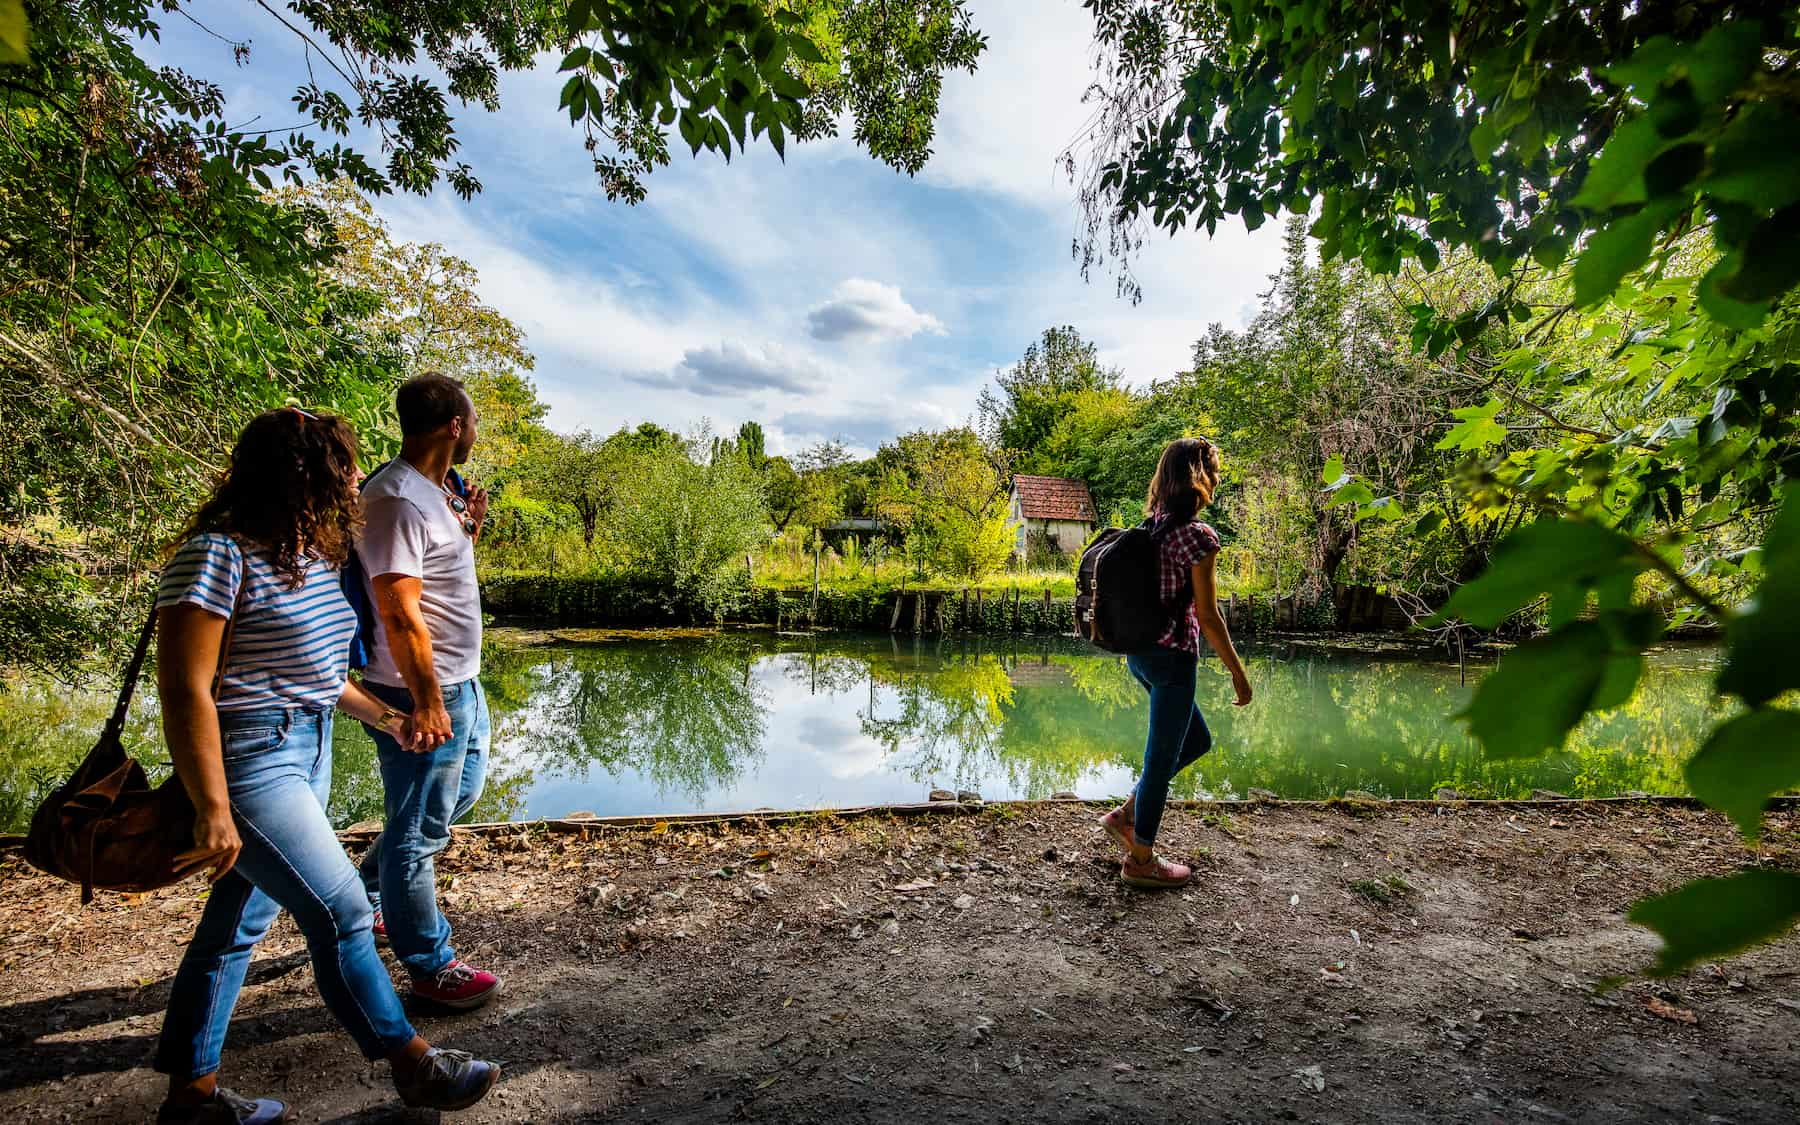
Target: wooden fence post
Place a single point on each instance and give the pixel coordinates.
(894, 622)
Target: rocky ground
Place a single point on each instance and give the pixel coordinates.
(1336, 964)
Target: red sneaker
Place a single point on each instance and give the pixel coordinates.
(457, 985)
(380, 929)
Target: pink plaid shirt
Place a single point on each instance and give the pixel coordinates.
(1180, 548)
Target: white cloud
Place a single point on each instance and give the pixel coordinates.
(738, 368)
(869, 310)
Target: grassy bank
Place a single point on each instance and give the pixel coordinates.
(1043, 603)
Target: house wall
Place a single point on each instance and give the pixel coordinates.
(1070, 535)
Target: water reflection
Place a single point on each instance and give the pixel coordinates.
(651, 724)
(746, 721)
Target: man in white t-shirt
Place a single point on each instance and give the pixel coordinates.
(417, 551)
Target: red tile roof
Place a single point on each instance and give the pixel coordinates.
(1054, 498)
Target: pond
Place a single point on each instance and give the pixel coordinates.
(650, 724)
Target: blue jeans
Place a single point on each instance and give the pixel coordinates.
(278, 772)
(1178, 734)
(423, 794)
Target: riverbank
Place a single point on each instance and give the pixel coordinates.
(902, 607)
(1349, 962)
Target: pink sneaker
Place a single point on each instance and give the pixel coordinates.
(1156, 875)
(457, 985)
(380, 930)
(1118, 827)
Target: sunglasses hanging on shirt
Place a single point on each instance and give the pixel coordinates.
(461, 508)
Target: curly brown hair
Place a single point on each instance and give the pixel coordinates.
(290, 488)
(1185, 481)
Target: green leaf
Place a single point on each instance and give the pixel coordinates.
(576, 58)
(806, 50)
(1622, 247)
(15, 33)
(1723, 307)
(1759, 638)
(1712, 918)
(1334, 470)
(1755, 160)
(1546, 557)
(1745, 762)
(1539, 692)
(1617, 175)
(1352, 492)
(1478, 430)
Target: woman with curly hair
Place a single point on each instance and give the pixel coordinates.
(1188, 550)
(251, 741)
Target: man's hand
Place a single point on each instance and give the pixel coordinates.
(216, 846)
(477, 500)
(430, 727)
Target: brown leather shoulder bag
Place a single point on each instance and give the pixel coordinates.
(106, 826)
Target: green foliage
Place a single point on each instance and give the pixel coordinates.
(1567, 117)
(1032, 398)
(1761, 634)
(1746, 761)
(946, 493)
(682, 525)
(1708, 919)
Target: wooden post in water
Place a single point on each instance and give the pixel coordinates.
(918, 612)
(812, 616)
(894, 622)
(962, 613)
(1047, 610)
(980, 610)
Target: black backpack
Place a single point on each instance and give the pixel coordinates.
(1118, 598)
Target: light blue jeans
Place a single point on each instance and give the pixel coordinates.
(1177, 737)
(424, 795)
(278, 772)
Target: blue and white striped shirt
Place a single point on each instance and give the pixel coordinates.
(290, 647)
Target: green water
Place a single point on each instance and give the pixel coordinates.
(752, 720)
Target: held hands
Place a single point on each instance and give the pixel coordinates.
(216, 846)
(427, 728)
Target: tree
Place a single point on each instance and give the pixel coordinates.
(1028, 400)
(428, 308)
(946, 493)
(679, 524)
(752, 447)
(579, 471)
(723, 72)
(1522, 133)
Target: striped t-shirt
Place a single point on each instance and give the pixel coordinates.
(290, 646)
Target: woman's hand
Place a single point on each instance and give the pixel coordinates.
(216, 846)
(1240, 683)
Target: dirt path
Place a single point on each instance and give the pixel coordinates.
(1422, 965)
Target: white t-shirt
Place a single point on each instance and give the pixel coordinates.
(409, 529)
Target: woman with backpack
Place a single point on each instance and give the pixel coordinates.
(1186, 478)
(253, 647)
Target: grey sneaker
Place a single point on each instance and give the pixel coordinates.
(223, 1108)
(446, 1079)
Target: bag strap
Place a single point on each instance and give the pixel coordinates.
(115, 726)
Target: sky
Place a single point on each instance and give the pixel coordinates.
(825, 297)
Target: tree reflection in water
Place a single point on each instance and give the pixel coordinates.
(699, 719)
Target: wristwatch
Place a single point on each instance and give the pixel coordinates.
(390, 713)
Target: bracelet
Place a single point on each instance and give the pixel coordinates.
(390, 713)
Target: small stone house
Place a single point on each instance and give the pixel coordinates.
(1056, 506)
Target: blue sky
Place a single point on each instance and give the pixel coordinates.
(827, 296)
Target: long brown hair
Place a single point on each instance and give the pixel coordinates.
(290, 488)
(1185, 481)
